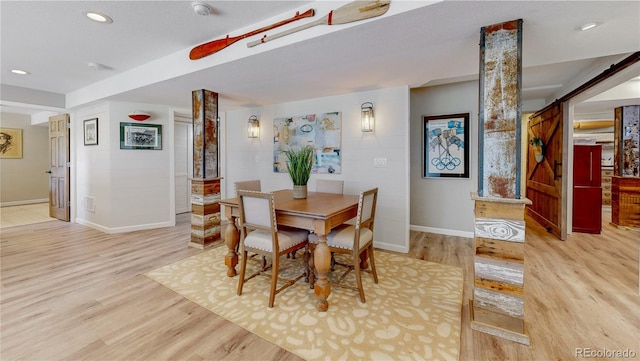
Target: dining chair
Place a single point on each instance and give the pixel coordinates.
(329, 186)
(257, 213)
(354, 240)
(249, 185)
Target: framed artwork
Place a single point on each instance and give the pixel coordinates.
(445, 145)
(10, 143)
(91, 131)
(321, 131)
(140, 136)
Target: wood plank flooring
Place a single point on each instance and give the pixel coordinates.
(69, 292)
(24, 214)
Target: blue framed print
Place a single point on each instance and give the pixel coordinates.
(446, 146)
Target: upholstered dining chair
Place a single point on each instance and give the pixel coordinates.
(257, 213)
(329, 186)
(355, 239)
(249, 185)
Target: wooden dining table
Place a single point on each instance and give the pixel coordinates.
(318, 213)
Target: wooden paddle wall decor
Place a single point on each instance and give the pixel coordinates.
(354, 11)
(214, 46)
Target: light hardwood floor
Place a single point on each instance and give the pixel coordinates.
(70, 292)
(24, 214)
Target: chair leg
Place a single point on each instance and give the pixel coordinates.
(312, 267)
(373, 264)
(356, 269)
(306, 257)
(275, 266)
(243, 268)
(333, 262)
(364, 259)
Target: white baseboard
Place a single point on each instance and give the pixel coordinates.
(390, 247)
(138, 227)
(448, 232)
(20, 203)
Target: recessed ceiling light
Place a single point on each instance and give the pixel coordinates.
(588, 26)
(19, 72)
(98, 17)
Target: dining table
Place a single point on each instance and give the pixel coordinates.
(318, 213)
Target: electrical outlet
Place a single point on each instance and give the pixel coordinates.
(380, 162)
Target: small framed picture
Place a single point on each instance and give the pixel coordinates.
(91, 131)
(10, 143)
(140, 136)
(446, 146)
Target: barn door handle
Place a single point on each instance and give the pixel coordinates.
(556, 175)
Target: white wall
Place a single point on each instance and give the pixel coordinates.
(23, 180)
(443, 205)
(130, 189)
(253, 158)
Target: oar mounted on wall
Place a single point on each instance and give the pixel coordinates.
(354, 11)
(214, 46)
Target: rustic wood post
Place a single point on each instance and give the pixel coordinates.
(625, 183)
(205, 185)
(497, 307)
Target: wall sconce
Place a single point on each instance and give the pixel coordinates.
(253, 127)
(368, 120)
(139, 115)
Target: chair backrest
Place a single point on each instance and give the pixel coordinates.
(250, 185)
(329, 186)
(367, 209)
(257, 211)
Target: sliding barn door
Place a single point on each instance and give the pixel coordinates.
(544, 182)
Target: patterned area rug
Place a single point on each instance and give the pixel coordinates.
(413, 313)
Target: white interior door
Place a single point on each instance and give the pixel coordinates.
(183, 162)
(59, 188)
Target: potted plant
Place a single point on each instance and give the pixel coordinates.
(300, 163)
(538, 150)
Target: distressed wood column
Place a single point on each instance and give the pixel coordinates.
(205, 212)
(205, 185)
(500, 110)
(625, 183)
(497, 307)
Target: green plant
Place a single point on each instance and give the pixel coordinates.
(300, 164)
(536, 141)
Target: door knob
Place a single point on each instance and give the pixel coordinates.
(48, 171)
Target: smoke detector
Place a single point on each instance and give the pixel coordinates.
(96, 66)
(201, 8)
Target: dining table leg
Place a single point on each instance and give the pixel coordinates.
(231, 238)
(322, 262)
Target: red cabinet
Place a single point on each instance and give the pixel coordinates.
(587, 188)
